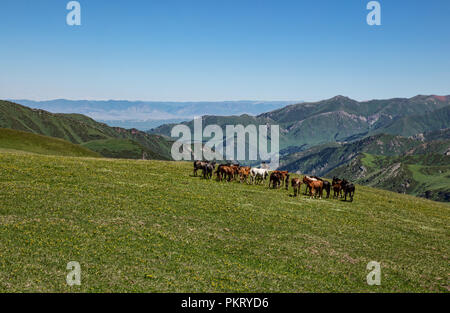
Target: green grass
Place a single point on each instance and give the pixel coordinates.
(369, 160)
(119, 148)
(149, 226)
(28, 142)
(435, 177)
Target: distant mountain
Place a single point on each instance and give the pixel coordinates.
(320, 160)
(78, 129)
(341, 119)
(145, 115)
(414, 124)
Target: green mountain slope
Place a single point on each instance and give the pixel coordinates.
(151, 227)
(320, 160)
(76, 128)
(435, 135)
(121, 148)
(23, 141)
(426, 175)
(411, 125)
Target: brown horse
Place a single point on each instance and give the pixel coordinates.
(313, 185)
(199, 165)
(326, 185)
(349, 189)
(236, 168)
(337, 187)
(296, 184)
(284, 177)
(244, 172)
(275, 179)
(225, 171)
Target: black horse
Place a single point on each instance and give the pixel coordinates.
(349, 189)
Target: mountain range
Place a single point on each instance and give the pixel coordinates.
(341, 119)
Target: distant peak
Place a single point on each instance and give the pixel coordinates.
(340, 97)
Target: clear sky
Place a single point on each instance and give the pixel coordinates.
(193, 50)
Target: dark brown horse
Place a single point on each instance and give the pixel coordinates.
(208, 169)
(275, 179)
(199, 165)
(349, 189)
(284, 178)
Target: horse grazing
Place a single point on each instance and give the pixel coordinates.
(244, 173)
(258, 175)
(337, 187)
(349, 189)
(296, 184)
(225, 171)
(208, 170)
(199, 165)
(275, 179)
(236, 168)
(314, 185)
(284, 177)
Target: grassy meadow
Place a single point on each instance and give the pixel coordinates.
(149, 226)
(16, 140)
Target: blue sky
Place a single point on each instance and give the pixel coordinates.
(192, 50)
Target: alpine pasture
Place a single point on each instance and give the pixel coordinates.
(150, 226)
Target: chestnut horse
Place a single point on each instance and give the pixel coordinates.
(225, 171)
(313, 184)
(326, 185)
(244, 172)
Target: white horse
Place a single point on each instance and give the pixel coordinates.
(258, 174)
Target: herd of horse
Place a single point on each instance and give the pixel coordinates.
(250, 175)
